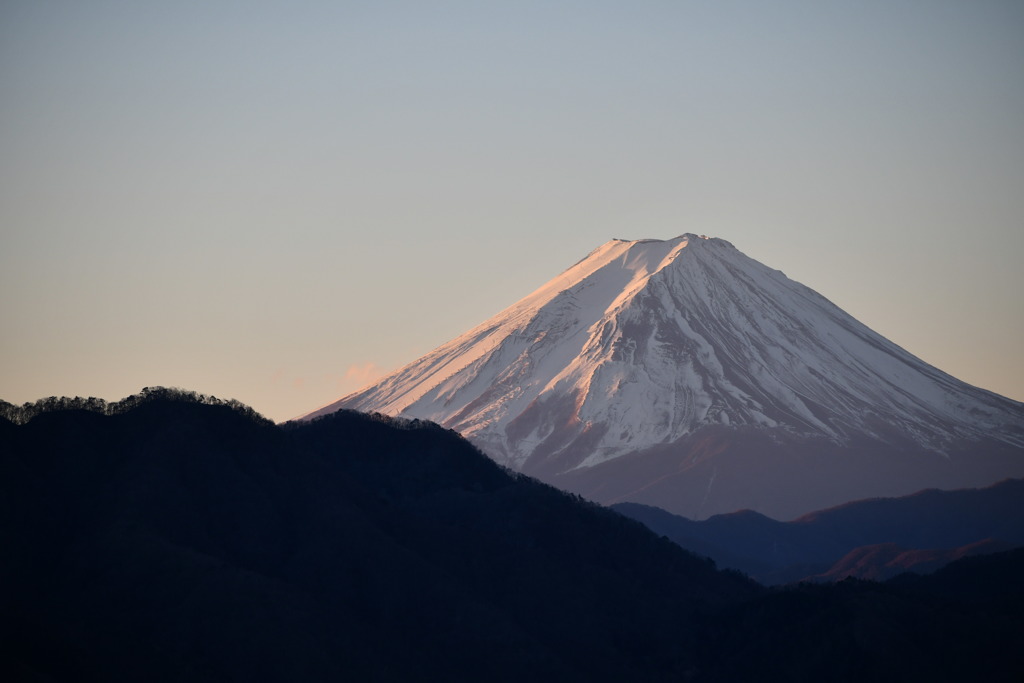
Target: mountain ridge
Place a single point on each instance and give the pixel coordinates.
(816, 544)
(175, 538)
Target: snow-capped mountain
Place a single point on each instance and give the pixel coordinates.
(661, 371)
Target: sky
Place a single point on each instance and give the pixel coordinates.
(277, 202)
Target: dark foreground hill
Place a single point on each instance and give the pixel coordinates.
(874, 538)
(176, 539)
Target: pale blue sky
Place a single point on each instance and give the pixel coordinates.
(271, 201)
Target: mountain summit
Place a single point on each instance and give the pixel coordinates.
(684, 374)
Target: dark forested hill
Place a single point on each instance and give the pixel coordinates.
(178, 538)
(962, 623)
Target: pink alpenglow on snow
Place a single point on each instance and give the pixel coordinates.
(682, 373)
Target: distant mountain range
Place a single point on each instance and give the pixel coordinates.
(175, 537)
(870, 539)
(682, 374)
(887, 560)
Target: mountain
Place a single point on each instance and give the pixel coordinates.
(911, 628)
(869, 539)
(887, 560)
(172, 537)
(683, 374)
(169, 538)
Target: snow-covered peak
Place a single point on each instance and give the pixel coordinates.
(643, 342)
(685, 237)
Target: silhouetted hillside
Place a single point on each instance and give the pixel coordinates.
(773, 552)
(174, 537)
(183, 540)
(962, 623)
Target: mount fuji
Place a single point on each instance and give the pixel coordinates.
(683, 374)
